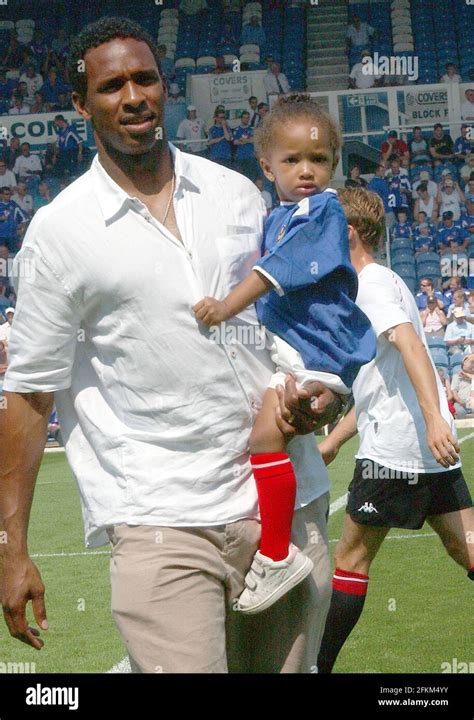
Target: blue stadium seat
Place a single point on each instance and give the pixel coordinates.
(435, 341)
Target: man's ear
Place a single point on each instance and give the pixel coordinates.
(80, 104)
(353, 236)
(267, 171)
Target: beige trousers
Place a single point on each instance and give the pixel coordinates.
(173, 593)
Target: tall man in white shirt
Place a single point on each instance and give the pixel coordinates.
(275, 81)
(27, 165)
(156, 411)
(192, 128)
(407, 467)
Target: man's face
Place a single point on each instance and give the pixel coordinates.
(30, 71)
(263, 111)
(21, 189)
(125, 95)
(245, 119)
(5, 196)
(454, 283)
(470, 95)
(25, 150)
(395, 167)
(52, 75)
(470, 207)
(10, 317)
(402, 218)
(417, 134)
(191, 114)
(468, 364)
(253, 103)
(300, 165)
(3, 167)
(356, 22)
(426, 287)
(15, 143)
(275, 68)
(220, 119)
(448, 186)
(438, 132)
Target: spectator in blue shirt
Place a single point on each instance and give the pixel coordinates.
(398, 186)
(11, 217)
(462, 146)
(466, 221)
(69, 145)
(448, 231)
(220, 140)
(253, 33)
(52, 87)
(379, 185)
(166, 63)
(424, 242)
(422, 217)
(7, 88)
(402, 228)
(245, 155)
(427, 289)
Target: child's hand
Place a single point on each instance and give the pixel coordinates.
(211, 311)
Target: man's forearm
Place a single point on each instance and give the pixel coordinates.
(247, 292)
(23, 431)
(345, 429)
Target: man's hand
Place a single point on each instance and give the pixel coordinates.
(303, 411)
(20, 582)
(442, 442)
(211, 311)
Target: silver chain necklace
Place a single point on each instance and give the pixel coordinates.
(169, 200)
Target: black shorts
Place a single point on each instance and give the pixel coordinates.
(383, 497)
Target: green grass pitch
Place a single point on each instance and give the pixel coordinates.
(418, 612)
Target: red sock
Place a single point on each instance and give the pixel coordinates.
(276, 488)
(350, 582)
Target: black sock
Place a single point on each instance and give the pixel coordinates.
(471, 573)
(347, 602)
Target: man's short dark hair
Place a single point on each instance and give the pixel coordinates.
(60, 117)
(261, 105)
(437, 125)
(245, 112)
(98, 33)
(252, 97)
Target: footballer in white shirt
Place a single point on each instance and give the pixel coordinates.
(408, 469)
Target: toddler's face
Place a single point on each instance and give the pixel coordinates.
(301, 161)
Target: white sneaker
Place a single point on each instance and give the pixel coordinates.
(268, 580)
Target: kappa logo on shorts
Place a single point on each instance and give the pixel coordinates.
(368, 508)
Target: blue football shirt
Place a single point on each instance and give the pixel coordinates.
(312, 307)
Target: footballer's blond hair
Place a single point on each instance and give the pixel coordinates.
(365, 212)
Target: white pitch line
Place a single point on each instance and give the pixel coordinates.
(72, 554)
(121, 667)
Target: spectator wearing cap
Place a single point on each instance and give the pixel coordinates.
(174, 94)
(450, 231)
(358, 36)
(459, 335)
(462, 387)
(418, 148)
(450, 196)
(253, 33)
(462, 146)
(430, 184)
(7, 177)
(379, 185)
(220, 140)
(424, 241)
(11, 218)
(433, 318)
(275, 82)
(425, 291)
(192, 128)
(450, 76)
(393, 146)
(441, 145)
(242, 138)
(467, 108)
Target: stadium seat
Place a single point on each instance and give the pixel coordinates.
(206, 63)
(435, 341)
(402, 255)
